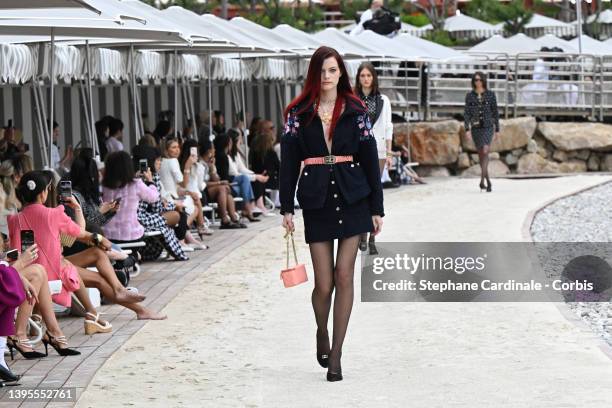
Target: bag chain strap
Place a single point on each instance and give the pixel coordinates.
(293, 244)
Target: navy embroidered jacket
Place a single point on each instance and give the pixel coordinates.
(353, 136)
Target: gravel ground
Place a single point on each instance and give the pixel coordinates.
(584, 217)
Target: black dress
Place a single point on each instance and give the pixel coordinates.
(338, 200)
(483, 109)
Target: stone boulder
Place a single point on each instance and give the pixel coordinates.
(593, 162)
(575, 136)
(432, 171)
(533, 163)
(433, 143)
(497, 168)
(514, 133)
(606, 163)
(463, 162)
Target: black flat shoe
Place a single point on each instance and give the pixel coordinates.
(7, 375)
(229, 225)
(13, 344)
(252, 219)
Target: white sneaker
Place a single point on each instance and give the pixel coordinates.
(270, 214)
(187, 248)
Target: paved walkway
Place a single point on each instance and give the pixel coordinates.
(236, 337)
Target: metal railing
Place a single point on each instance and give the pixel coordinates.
(544, 84)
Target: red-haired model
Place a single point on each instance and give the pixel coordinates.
(339, 189)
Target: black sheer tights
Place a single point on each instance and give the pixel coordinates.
(483, 158)
(328, 278)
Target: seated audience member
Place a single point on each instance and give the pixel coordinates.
(47, 224)
(193, 181)
(227, 170)
(102, 133)
(115, 131)
(253, 129)
(60, 165)
(263, 159)
(35, 282)
(162, 131)
(218, 190)
(257, 180)
(171, 177)
(161, 215)
(8, 200)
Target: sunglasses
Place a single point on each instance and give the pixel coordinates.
(477, 80)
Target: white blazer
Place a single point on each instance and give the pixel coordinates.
(383, 128)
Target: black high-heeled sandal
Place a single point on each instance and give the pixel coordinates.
(322, 358)
(335, 376)
(7, 375)
(489, 189)
(482, 185)
(14, 343)
(55, 342)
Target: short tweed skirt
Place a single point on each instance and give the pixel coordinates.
(337, 219)
(482, 136)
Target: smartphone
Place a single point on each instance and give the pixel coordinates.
(118, 200)
(194, 151)
(27, 239)
(12, 255)
(143, 165)
(65, 190)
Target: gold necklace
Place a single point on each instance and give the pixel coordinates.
(326, 115)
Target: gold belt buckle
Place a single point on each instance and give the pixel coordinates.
(329, 159)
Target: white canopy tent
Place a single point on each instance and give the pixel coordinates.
(404, 28)
(345, 44)
(431, 49)
(23, 4)
(296, 35)
(77, 22)
(592, 46)
(271, 37)
(497, 44)
(540, 25)
(550, 41)
(605, 17)
(467, 27)
(391, 48)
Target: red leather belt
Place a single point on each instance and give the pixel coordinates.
(328, 159)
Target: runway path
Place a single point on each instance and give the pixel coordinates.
(235, 337)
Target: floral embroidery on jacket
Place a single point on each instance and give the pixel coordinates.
(292, 124)
(365, 127)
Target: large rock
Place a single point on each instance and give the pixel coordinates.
(606, 163)
(593, 163)
(463, 162)
(497, 168)
(574, 136)
(514, 133)
(432, 171)
(433, 143)
(533, 163)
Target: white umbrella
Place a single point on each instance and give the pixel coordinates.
(80, 23)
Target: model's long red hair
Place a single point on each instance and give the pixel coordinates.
(312, 87)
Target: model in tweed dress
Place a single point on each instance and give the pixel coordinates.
(481, 123)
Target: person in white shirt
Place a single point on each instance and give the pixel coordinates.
(115, 130)
(365, 16)
(172, 180)
(58, 164)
